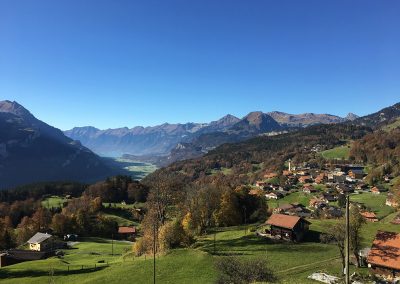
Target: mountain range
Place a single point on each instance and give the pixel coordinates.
(167, 140)
(32, 151)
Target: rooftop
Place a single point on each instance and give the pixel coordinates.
(284, 221)
(385, 250)
(126, 230)
(39, 238)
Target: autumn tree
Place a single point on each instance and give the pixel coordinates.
(337, 234)
(26, 229)
(229, 211)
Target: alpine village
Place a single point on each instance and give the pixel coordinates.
(288, 199)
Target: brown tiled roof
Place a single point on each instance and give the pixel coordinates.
(385, 250)
(284, 221)
(368, 214)
(126, 230)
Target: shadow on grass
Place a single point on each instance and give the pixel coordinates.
(10, 273)
(249, 244)
(246, 243)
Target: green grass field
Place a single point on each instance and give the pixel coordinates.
(339, 153)
(375, 202)
(53, 202)
(300, 197)
(292, 263)
(137, 170)
(179, 266)
(392, 126)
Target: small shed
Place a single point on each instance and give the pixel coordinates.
(127, 232)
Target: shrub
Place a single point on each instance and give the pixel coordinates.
(236, 271)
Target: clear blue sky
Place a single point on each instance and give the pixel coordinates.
(124, 63)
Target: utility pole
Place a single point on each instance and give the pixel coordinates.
(215, 239)
(245, 220)
(154, 252)
(112, 244)
(347, 241)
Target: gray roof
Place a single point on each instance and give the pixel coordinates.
(38, 238)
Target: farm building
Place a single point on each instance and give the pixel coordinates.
(384, 257)
(15, 256)
(291, 228)
(127, 232)
(41, 242)
(369, 216)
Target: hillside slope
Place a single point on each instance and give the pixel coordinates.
(32, 151)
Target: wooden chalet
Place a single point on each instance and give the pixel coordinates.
(356, 174)
(41, 242)
(127, 232)
(270, 175)
(290, 228)
(391, 201)
(369, 216)
(384, 257)
(378, 189)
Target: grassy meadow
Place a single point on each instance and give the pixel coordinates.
(97, 260)
(338, 153)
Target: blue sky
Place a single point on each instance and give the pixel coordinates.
(124, 63)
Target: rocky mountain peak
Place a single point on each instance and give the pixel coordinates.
(351, 116)
(14, 108)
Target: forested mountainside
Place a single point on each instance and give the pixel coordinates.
(31, 151)
(245, 159)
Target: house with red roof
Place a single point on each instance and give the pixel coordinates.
(285, 227)
(384, 257)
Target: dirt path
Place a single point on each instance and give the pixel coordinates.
(311, 265)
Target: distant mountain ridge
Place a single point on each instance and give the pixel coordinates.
(304, 119)
(163, 140)
(31, 151)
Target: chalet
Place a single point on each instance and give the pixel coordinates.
(41, 242)
(127, 232)
(256, 192)
(361, 186)
(260, 184)
(283, 208)
(378, 189)
(396, 220)
(369, 216)
(317, 202)
(332, 212)
(305, 179)
(391, 201)
(309, 189)
(291, 228)
(320, 178)
(384, 257)
(287, 173)
(329, 197)
(344, 188)
(273, 195)
(339, 178)
(387, 178)
(356, 174)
